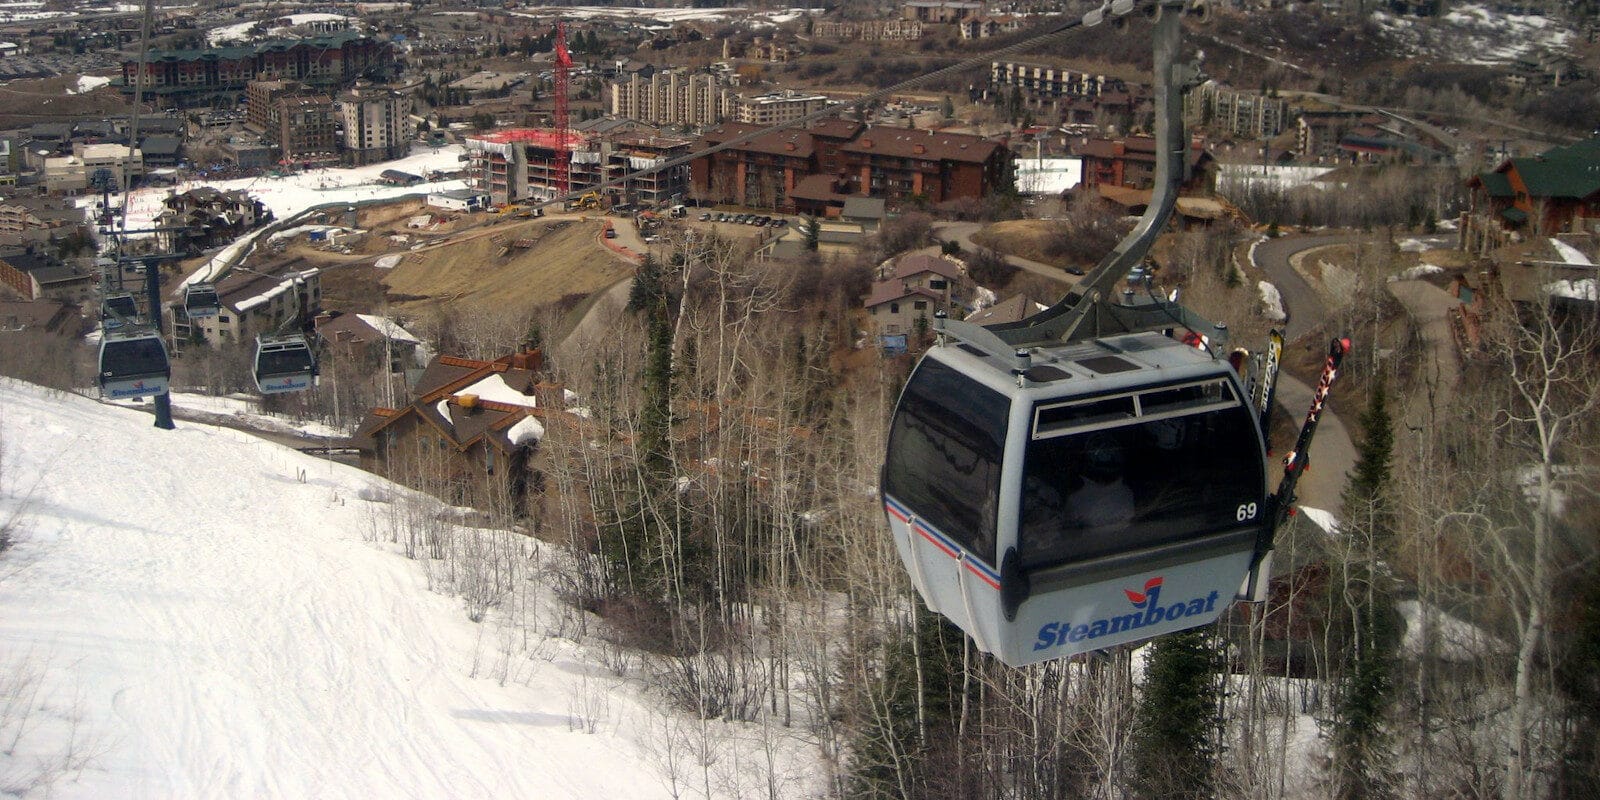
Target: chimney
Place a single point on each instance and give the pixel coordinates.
(531, 360)
(467, 400)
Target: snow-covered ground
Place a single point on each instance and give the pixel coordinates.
(1234, 177)
(239, 32)
(174, 629)
(89, 83)
(292, 194)
(1477, 34)
(1570, 254)
(1418, 271)
(1271, 302)
(1048, 176)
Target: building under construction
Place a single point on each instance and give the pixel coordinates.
(520, 164)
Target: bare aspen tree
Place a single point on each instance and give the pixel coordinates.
(1546, 358)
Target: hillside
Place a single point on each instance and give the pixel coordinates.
(168, 629)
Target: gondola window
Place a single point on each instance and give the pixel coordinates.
(1115, 474)
(945, 455)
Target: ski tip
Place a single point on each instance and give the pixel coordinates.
(1343, 344)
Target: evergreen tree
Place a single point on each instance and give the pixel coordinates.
(901, 728)
(1174, 751)
(1578, 678)
(1362, 750)
(648, 290)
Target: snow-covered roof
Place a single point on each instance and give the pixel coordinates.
(495, 389)
(527, 431)
(390, 330)
(287, 284)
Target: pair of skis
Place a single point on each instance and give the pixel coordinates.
(1263, 385)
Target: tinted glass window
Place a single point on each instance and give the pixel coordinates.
(284, 362)
(944, 454)
(130, 357)
(1126, 487)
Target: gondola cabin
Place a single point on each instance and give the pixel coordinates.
(1077, 496)
(284, 364)
(200, 300)
(118, 309)
(133, 363)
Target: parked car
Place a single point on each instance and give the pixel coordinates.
(705, 216)
(611, 233)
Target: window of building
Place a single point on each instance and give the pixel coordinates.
(920, 305)
(937, 283)
(894, 308)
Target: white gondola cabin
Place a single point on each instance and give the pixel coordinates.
(1087, 495)
(284, 364)
(118, 309)
(200, 300)
(133, 363)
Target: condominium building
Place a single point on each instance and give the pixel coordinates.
(303, 128)
(672, 97)
(1043, 82)
(259, 97)
(776, 108)
(817, 169)
(198, 77)
(377, 124)
(1225, 110)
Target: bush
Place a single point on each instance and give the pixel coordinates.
(989, 268)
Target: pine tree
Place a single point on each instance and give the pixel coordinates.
(903, 725)
(1578, 678)
(1362, 750)
(1174, 749)
(649, 287)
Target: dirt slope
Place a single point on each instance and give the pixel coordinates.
(487, 272)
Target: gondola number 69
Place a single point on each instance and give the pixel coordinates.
(1246, 511)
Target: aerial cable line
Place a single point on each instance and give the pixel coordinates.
(1094, 17)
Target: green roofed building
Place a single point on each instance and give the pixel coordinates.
(1552, 192)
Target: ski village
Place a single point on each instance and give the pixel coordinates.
(979, 399)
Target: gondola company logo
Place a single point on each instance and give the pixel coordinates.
(134, 390)
(1150, 612)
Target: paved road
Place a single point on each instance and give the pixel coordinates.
(961, 233)
(1306, 309)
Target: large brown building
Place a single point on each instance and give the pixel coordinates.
(816, 169)
(195, 77)
(303, 127)
(1131, 162)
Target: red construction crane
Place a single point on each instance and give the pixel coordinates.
(563, 177)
